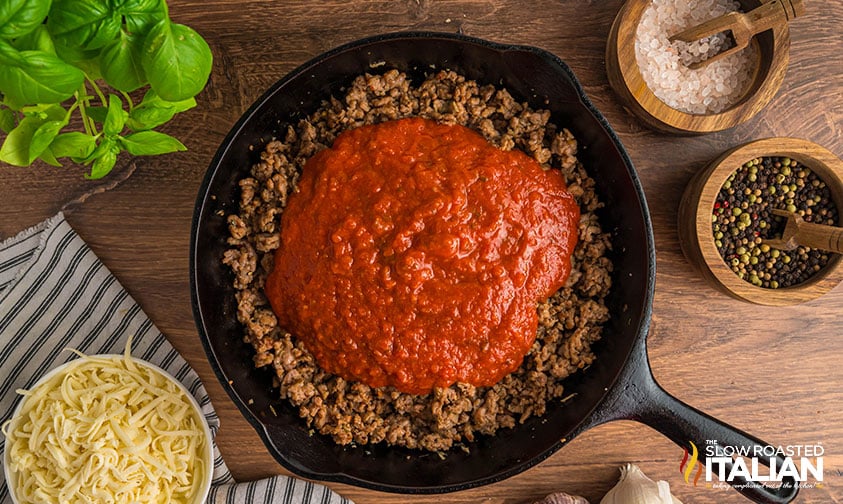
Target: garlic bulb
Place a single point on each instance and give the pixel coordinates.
(635, 487)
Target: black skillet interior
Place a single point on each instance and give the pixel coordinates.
(531, 75)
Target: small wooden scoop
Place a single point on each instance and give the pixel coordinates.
(807, 234)
(742, 25)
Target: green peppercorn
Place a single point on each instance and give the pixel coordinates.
(743, 220)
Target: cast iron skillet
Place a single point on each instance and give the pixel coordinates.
(619, 385)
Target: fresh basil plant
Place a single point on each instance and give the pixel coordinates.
(67, 68)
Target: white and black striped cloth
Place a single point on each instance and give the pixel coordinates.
(56, 294)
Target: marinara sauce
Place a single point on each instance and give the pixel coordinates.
(414, 253)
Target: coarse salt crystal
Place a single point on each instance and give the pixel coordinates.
(664, 65)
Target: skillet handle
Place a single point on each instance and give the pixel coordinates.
(684, 424)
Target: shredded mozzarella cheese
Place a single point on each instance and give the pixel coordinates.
(107, 430)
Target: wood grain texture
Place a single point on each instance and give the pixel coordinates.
(797, 232)
(773, 372)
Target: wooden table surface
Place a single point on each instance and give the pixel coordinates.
(773, 372)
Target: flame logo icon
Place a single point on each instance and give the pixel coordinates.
(689, 461)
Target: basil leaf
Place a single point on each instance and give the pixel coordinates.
(38, 77)
(115, 119)
(18, 148)
(73, 145)
(87, 60)
(44, 136)
(120, 63)
(152, 99)
(19, 17)
(150, 143)
(48, 157)
(147, 118)
(97, 113)
(140, 15)
(103, 165)
(9, 55)
(86, 24)
(45, 111)
(38, 39)
(7, 120)
(104, 157)
(153, 111)
(177, 60)
(15, 149)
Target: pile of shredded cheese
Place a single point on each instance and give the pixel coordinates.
(107, 430)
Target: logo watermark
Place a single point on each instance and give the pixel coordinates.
(727, 465)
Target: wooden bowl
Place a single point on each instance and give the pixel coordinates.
(696, 236)
(625, 77)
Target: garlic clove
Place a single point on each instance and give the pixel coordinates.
(562, 498)
(665, 495)
(634, 487)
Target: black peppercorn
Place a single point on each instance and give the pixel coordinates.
(742, 218)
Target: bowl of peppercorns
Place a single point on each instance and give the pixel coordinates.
(737, 217)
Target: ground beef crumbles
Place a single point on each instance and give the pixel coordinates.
(352, 412)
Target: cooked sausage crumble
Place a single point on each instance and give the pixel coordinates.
(570, 321)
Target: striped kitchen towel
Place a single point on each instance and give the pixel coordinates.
(56, 294)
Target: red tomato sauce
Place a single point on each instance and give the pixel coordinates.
(414, 253)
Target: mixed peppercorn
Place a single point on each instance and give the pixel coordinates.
(742, 219)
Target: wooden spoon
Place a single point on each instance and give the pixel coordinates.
(807, 234)
(742, 25)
